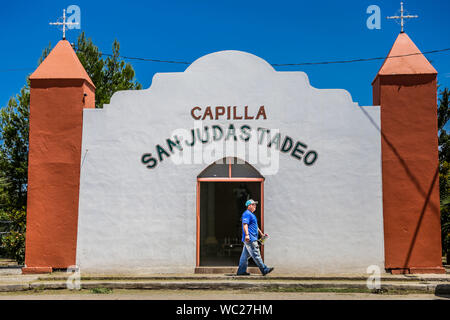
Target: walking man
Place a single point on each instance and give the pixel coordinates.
(250, 232)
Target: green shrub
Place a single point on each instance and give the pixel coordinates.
(101, 290)
(14, 242)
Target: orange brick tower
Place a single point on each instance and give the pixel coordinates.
(405, 88)
(60, 90)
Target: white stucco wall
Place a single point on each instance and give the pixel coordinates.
(326, 217)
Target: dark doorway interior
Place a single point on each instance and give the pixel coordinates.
(221, 208)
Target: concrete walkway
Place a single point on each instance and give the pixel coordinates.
(11, 280)
(236, 295)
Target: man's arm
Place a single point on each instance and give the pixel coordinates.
(247, 236)
(261, 233)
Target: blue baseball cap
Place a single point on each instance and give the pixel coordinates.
(251, 201)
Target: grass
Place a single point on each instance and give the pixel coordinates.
(101, 290)
(42, 291)
(349, 290)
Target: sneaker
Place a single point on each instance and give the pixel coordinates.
(243, 274)
(268, 271)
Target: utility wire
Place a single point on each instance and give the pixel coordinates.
(140, 59)
(272, 64)
(357, 60)
(289, 64)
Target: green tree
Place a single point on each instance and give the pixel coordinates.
(14, 149)
(3, 218)
(444, 170)
(109, 75)
(14, 128)
(14, 241)
(3, 194)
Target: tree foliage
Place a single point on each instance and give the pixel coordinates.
(444, 170)
(14, 242)
(14, 126)
(109, 75)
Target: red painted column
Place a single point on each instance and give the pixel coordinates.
(405, 88)
(60, 89)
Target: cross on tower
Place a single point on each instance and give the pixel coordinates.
(402, 17)
(64, 24)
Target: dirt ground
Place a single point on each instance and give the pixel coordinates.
(207, 295)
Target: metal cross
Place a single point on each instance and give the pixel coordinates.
(64, 24)
(402, 16)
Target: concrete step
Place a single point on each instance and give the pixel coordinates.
(224, 270)
(234, 284)
(4, 262)
(254, 276)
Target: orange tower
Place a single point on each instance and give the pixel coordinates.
(405, 88)
(60, 89)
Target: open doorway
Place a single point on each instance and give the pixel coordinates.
(222, 190)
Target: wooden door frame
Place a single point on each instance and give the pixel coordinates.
(229, 179)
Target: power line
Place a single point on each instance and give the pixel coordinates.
(357, 60)
(289, 64)
(150, 60)
(272, 64)
(140, 59)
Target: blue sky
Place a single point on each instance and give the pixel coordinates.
(277, 31)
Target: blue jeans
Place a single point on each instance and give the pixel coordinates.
(251, 249)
